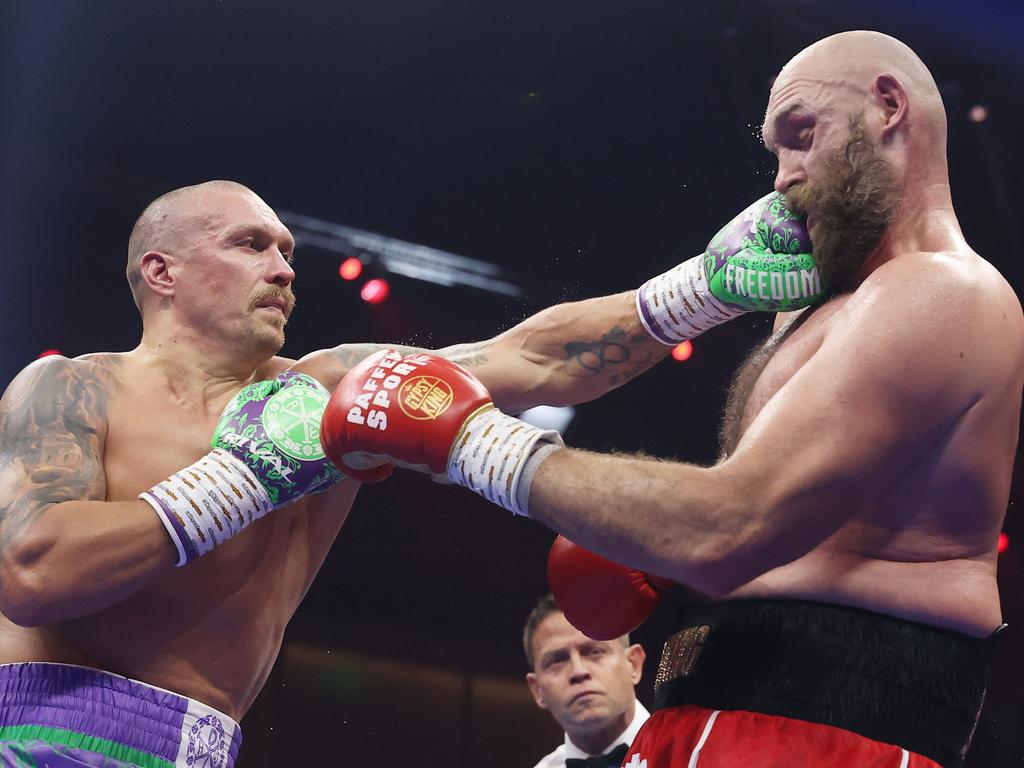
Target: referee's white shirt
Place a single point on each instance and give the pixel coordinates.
(568, 750)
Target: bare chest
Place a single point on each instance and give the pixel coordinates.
(149, 439)
(770, 367)
(150, 435)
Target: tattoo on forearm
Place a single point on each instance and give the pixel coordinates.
(467, 355)
(616, 354)
(52, 424)
(350, 355)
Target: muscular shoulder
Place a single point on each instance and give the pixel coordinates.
(926, 320)
(74, 392)
(960, 282)
(53, 424)
(53, 421)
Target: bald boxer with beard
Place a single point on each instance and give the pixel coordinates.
(147, 571)
(849, 530)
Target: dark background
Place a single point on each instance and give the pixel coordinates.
(585, 145)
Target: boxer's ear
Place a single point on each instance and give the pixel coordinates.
(155, 269)
(892, 98)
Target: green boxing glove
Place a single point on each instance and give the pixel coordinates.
(266, 453)
(760, 261)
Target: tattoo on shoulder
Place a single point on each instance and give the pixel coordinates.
(616, 354)
(53, 422)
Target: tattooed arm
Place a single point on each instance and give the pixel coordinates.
(64, 551)
(569, 353)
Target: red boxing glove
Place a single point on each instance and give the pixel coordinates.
(427, 413)
(602, 599)
(406, 410)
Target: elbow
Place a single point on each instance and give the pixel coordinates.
(755, 544)
(760, 537)
(559, 394)
(535, 382)
(734, 550)
(25, 594)
(722, 584)
(21, 599)
(721, 567)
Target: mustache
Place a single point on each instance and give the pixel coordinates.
(799, 197)
(275, 294)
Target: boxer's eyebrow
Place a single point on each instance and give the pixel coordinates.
(243, 230)
(258, 231)
(778, 122)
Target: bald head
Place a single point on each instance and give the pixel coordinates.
(861, 55)
(858, 127)
(168, 224)
(852, 62)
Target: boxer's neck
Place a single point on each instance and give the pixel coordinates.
(925, 223)
(192, 374)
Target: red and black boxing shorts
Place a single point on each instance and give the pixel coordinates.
(789, 684)
(694, 737)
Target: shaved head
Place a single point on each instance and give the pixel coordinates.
(854, 61)
(212, 263)
(860, 56)
(167, 222)
(859, 130)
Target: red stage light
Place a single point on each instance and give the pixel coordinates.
(48, 353)
(978, 113)
(350, 268)
(1004, 543)
(683, 351)
(375, 291)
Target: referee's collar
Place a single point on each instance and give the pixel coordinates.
(640, 715)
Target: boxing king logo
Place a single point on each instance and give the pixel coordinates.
(372, 403)
(424, 398)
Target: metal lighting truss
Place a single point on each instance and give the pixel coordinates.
(401, 258)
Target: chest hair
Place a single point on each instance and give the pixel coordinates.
(735, 419)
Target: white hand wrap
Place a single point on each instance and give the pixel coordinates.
(205, 504)
(489, 455)
(678, 305)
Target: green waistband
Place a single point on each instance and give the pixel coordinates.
(61, 736)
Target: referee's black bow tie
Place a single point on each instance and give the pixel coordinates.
(612, 759)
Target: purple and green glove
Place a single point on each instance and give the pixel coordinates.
(266, 454)
(759, 262)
